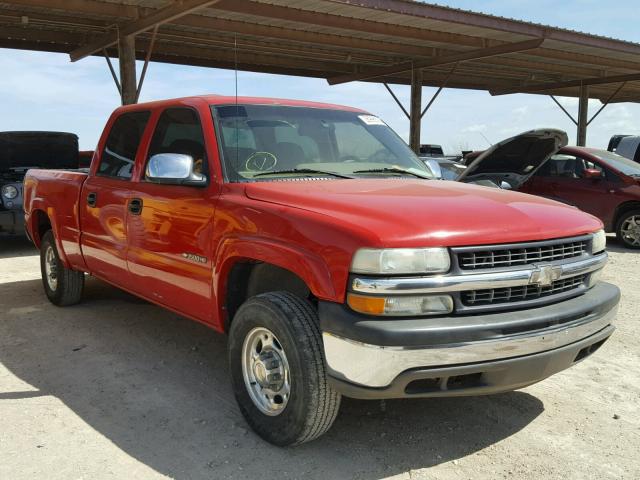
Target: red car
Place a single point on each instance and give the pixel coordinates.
(597, 181)
(323, 247)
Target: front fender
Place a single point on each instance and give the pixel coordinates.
(307, 265)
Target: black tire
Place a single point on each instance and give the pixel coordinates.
(69, 284)
(627, 242)
(313, 404)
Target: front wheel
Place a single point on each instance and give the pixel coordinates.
(628, 229)
(62, 285)
(278, 370)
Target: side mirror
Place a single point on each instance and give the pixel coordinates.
(592, 173)
(173, 169)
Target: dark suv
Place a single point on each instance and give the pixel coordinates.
(20, 151)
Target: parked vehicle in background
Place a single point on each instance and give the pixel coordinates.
(629, 147)
(443, 167)
(614, 141)
(431, 150)
(599, 182)
(510, 163)
(84, 158)
(20, 151)
(315, 238)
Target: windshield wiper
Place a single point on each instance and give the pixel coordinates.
(393, 170)
(302, 170)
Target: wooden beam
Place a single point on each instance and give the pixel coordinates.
(415, 120)
(441, 60)
(583, 115)
(164, 15)
(541, 87)
(127, 59)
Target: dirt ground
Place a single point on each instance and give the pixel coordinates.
(118, 388)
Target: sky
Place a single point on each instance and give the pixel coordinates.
(45, 91)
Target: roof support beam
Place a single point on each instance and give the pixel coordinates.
(569, 84)
(440, 88)
(564, 109)
(386, 85)
(415, 121)
(164, 15)
(606, 102)
(441, 60)
(583, 114)
(127, 59)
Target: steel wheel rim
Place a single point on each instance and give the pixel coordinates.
(51, 268)
(631, 230)
(265, 370)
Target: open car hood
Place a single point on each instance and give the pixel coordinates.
(515, 159)
(22, 150)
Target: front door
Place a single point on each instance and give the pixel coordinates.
(562, 178)
(170, 226)
(104, 198)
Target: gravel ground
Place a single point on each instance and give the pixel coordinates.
(118, 388)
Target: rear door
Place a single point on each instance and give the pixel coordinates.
(104, 199)
(170, 234)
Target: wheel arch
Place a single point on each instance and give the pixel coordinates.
(622, 209)
(249, 267)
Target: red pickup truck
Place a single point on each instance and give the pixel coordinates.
(318, 242)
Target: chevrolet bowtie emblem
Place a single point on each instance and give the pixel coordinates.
(545, 275)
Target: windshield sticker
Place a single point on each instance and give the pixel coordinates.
(370, 120)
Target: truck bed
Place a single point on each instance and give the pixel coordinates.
(56, 193)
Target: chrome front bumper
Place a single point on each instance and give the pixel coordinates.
(366, 364)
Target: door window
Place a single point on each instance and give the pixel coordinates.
(566, 166)
(119, 154)
(179, 131)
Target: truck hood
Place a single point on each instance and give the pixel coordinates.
(413, 212)
(515, 159)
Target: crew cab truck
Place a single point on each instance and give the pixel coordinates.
(318, 242)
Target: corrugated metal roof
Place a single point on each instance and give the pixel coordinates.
(331, 38)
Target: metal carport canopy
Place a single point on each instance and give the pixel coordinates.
(387, 41)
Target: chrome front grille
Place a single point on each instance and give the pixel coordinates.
(513, 255)
(493, 296)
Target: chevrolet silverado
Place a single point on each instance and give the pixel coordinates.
(320, 244)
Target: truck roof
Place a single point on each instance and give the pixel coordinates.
(231, 99)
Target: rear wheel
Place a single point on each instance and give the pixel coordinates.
(628, 229)
(62, 285)
(278, 370)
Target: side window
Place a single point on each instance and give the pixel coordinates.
(179, 131)
(119, 154)
(559, 166)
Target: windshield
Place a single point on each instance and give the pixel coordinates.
(270, 141)
(451, 171)
(620, 163)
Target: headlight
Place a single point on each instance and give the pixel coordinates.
(599, 242)
(401, 305)
(401, 261)
(10, 192)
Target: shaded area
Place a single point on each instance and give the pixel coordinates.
(16, 246)
(156, 385)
